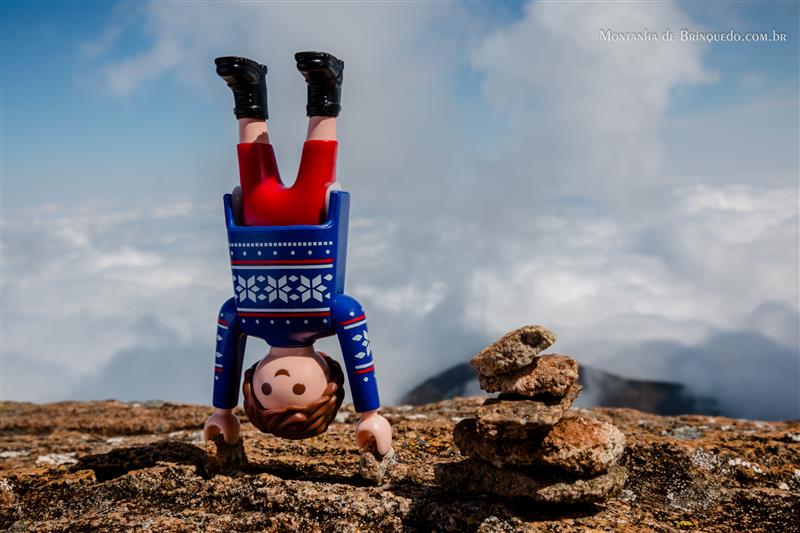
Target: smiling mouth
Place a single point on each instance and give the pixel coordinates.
(282, 372)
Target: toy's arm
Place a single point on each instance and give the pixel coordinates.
(351, 328)
(227, 374)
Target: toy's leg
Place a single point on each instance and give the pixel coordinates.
(351, 328)
(228, 357)
(321, 129)
(317, 173)
(248, 82)
(317, 170)
(253, 130)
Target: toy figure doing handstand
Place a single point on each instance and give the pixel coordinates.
(288, 250)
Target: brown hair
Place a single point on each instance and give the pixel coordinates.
(296, 421)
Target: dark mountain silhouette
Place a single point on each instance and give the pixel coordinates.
(600, 388)
(748, 374)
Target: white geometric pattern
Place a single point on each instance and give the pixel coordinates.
(278, 289)
(286, 288)
(309, 288)
(363, 337)
(247, 288)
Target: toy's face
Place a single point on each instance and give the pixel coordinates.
(289, 380)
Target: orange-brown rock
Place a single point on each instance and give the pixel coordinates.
(502, 418)
(544, 487)
(513, 351)
(551, 374)
(576, 444)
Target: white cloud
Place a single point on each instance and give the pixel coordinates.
(82, 302)
(410, 300)
(76, 280)
(718, 255)
(598, 106)
(572, 212)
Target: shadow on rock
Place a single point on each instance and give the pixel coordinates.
(225, 458)
(454, 507)
(119, 462)
(287, 471)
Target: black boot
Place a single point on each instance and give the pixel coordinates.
(248, 81)
(323, 74)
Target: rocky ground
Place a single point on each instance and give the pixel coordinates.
(115, 466)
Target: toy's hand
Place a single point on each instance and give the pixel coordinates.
(225, 422)
(373, 426)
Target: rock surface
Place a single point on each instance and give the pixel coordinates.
(522, 419)
(575, 444)
(550, 374)
(144, 467)
(513, 351)
(543, 487)
(583, 445)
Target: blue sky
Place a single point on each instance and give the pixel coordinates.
(507, 167)
(53, 51)
(52, 92)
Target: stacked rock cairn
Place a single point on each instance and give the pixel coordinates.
(525, 443)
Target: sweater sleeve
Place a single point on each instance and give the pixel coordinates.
(228, 357)
(351, 328)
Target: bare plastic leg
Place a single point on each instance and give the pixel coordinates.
(251, 130)
(321, 129)
(255, 130)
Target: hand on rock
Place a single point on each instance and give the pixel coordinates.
(374, 427)
(225, 422)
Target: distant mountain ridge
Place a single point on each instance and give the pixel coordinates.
(600, 389)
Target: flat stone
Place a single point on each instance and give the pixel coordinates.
(515, 350)
(550, 374)
(522, 418)
(472, 475)
(575, 444)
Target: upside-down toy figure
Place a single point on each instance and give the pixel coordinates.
(288, 249)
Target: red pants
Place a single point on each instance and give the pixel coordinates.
(267, 202)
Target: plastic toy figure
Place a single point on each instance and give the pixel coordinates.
(288, 249)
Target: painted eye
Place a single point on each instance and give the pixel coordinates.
(299, 388)
(266, 388)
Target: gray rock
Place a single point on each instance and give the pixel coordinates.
(472, 475)
(372, 466)
(548, 374)
(515, 350)
(521, 419)
(575, 444)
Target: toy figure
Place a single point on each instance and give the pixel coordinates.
(287, 250)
